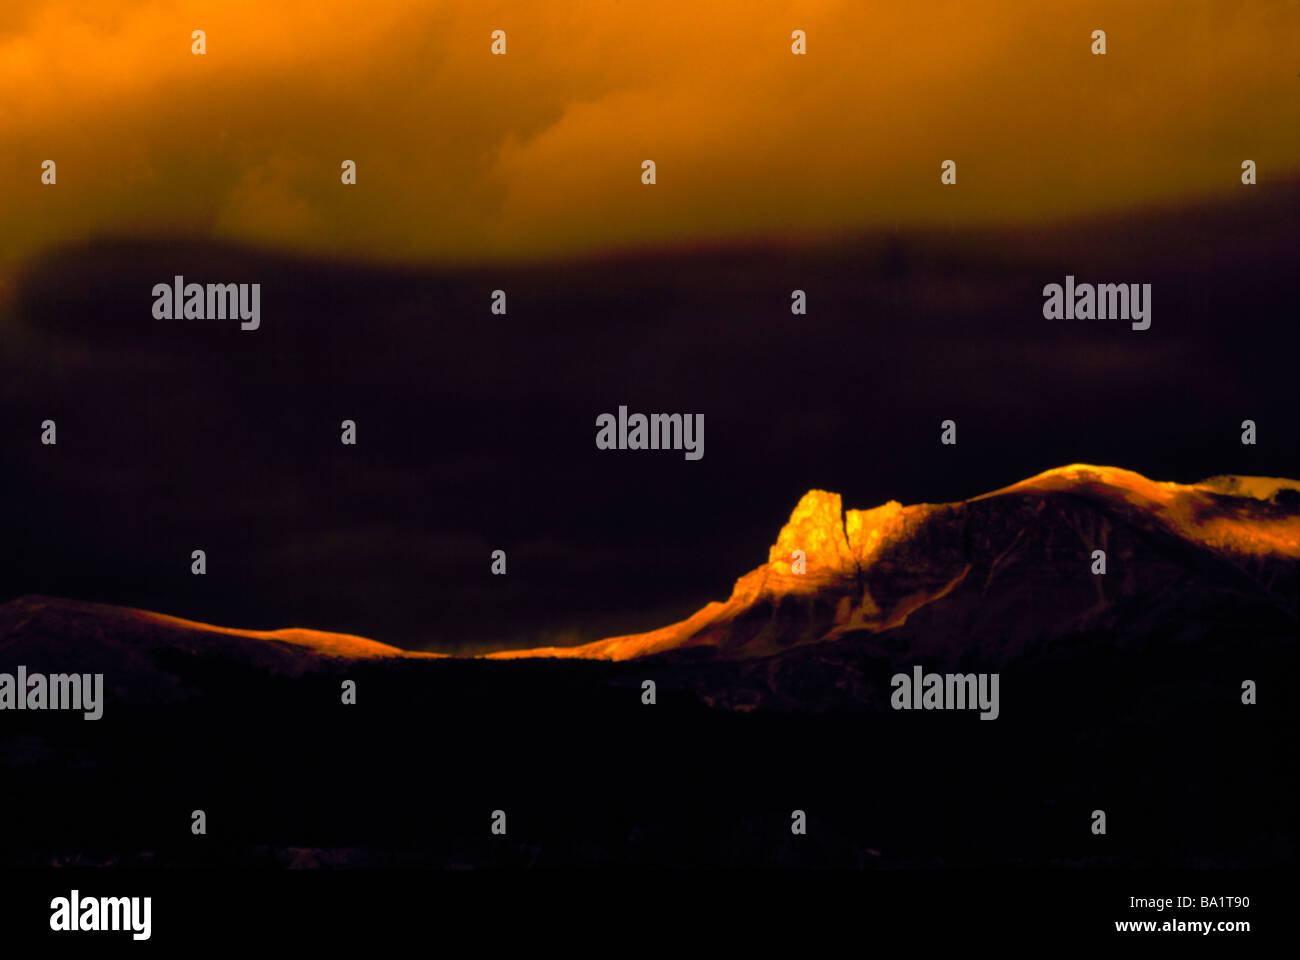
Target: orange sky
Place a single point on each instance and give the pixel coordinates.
(466, 156)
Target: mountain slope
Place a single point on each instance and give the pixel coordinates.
(1006, 569)
(153, 654)
(1121, 692)
(1016, 562)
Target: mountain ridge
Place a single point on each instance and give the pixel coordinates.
(1012, 561)
(1249, 522)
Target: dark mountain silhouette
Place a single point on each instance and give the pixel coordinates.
(1119, 692)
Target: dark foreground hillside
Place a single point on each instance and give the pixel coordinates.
(1148, 727)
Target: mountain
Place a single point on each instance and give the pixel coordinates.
(152, 657)
(1007, 567)
(997, 573)
(1120, 692)
(1002, 579)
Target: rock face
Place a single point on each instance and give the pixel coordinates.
(1009, 567)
